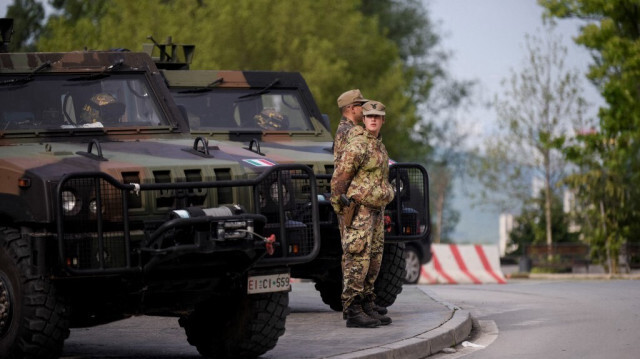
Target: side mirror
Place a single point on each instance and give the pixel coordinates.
(6, 30)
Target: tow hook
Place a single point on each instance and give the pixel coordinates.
(268, 241)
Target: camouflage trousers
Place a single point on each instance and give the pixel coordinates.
(362, 246)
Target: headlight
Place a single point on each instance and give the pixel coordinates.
(70, 203)
(393, 184)
(93, 207)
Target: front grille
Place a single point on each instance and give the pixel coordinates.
(408, 213)
(163, 198)
(103, 239)
(93, 224)
(288, 211)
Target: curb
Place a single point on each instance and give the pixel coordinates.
(576, 276)
(450, 333)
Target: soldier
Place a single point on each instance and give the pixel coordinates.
(362, 174)
(350, 104)
(272, 120)
(102, 109)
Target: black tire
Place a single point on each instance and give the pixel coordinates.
(387, 287)
(413, 265)
(241, 326)
(392, 274)
(34, 319)
(331, 291)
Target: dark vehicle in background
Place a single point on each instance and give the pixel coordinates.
(416, 254)
(110, 208)
(274, 115)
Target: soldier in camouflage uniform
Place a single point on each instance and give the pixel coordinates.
(272, 120)
(103, 109)
(350, 104)
(362, 174)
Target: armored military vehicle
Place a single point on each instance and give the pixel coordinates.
(110, 208)
(274, 115)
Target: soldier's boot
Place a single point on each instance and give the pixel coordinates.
(377, 308)
(380, 309)
(369, 308)
(357, 318)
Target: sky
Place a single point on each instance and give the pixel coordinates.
(487, 42)
(486, 39)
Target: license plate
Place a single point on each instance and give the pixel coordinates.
(269, 283)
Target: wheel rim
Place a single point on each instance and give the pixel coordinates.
(6, 311)
(413, 266)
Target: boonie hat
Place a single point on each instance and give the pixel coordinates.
(349, 97)
(373, 108)
(102, 107)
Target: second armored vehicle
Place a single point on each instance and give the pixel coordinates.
(274, 115)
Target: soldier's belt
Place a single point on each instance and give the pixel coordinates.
(373, 210)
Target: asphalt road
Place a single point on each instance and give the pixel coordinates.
(551, 318)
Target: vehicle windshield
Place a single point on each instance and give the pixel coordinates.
(243, 109)
(46, 102)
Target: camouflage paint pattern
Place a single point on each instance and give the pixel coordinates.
(45, 154)
(122, 216)
(35, 156)
(74, 62)
(196, 92)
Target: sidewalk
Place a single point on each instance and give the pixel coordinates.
(595, 273)
(422, 325)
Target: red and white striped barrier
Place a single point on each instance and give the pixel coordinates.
(462, 264)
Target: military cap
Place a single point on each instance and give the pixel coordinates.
(349, 97)
(373, 108)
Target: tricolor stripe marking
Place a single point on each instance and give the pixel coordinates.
(259, 162)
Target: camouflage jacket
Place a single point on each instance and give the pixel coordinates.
(362, 172)
(341, 138)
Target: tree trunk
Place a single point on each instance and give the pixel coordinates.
(610, 263)
(547, 200)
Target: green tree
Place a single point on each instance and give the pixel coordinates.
(387, 48)
(286, 35)
(531, 225)
(541, 106)
(436, 95)
(608, 157)
(27, 24)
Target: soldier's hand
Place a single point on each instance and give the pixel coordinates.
(337, 207)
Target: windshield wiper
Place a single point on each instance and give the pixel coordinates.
(28, 78)
(260, 92)
(207, 88)
(100, 75)
(90, 77)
